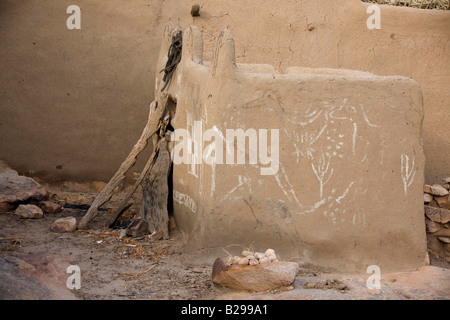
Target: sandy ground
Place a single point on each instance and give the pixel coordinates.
(34, 262)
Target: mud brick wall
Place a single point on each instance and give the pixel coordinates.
(347, 188)
(437, 218)
(77, 100)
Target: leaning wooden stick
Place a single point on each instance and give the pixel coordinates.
(124, 202)
(107, 192)
(162, 127)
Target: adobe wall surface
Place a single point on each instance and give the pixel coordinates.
(333, 34)
(344, 184)
(74, 102)
(78, 99)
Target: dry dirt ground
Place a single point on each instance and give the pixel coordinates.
(34, 262)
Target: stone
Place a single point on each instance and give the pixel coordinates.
(437, 214)
(447, 180)
(432, 226)
(438, 190)
(443, 202)
(444, 239)
(442, 233)
(243, 261)
(236, 260)
(272, 257)
(5, 206)
(427, 188)
(50, 207)
(259, 277)
(434, 246)
(447, 186)
(66, 224)
(246, 253)
(253, 262)
(259, 255)
(427, 198)
(29, 211)
(230, 260)
(15, 188)
(269, 252)
(264, 260)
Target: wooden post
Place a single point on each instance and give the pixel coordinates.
(156, 191)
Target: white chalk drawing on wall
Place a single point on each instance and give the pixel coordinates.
(318, 136)
(330, 114)
(185, 200)
(286, 186)
(359, 220)
(322, 171)
(242, 180)
(407, 171)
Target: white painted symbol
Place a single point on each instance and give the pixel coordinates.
(407, 172)
(185, 200)
(321, 171)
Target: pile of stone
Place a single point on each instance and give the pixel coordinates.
(29, 199)
(437, 218)
(254, 271)
(16, 189)
(253, 258)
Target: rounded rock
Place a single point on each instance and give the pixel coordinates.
(259, 255)
(272, 257)
(438, 190)
(264, 260)
(236, 260)
(243, 261)
(229, 260)
(246, 253)
(253, 262)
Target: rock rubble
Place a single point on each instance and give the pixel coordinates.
(437, 218)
